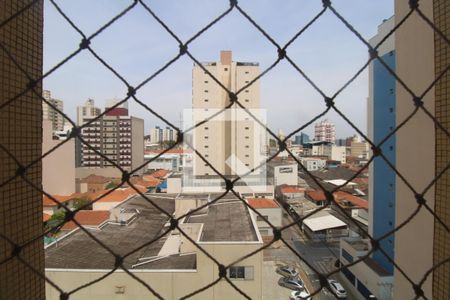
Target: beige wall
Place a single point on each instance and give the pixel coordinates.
(224, 137)
(137, 146)
(169, 284)
(415, 150)
(58, 168)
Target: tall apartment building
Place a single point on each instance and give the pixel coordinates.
(325, 131)
(229, 141)
(169, 135)
(86, 112)
(423, 151)
(49, 113)
(118, 136)
(156, 135)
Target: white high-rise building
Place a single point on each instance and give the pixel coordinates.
(229, 141)
(325, 131)
(156, 135)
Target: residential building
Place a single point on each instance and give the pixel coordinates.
(156, 135)
(173, 267)
(270, 211)
(84, 114)
(360, 148)
(283, 172)
(50, 113)
(87, 111)
(118, 136)
(302, 139)
(313, 164)
(325, 131)
(421, 56)
(230, 142)
(290, 192)
(60, 161)
(381, 121)
(327, 149)
(169, 135)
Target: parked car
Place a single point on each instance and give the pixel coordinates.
(287, 271)
(300, 295)
(291, 283)
(337, 288)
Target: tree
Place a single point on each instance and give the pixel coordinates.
(81, 202)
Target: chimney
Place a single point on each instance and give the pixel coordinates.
(225, 57)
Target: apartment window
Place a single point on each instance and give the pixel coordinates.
(206, 155)
(241, 272)
(247, 146)
(246, 72)
(247, 165)
(206, 81)
(206, 128)
(246, 100)
(206, 137)
(247, 128)
(206, 91)
(225, 69)
(246, 91)
(247, 137)
(206, 100)
(206, 146)
(247, 81)
(246, 155)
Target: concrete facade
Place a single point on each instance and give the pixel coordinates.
(382, 120)
(228, 140)
(58, 168)
(51, 114)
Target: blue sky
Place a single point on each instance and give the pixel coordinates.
(136, 46)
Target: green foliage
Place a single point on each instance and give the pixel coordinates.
(81, 202)
(110, 185)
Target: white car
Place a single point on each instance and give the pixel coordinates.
(337, 288)
(300, 295)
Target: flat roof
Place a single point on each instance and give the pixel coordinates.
(338, 182)
(227, 220)
(77, 250)
(323, 222)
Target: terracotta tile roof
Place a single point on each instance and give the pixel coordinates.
(88, 218)
(46, 201)
(291, 189)
(160, 173)
(45, 217)
(262, 203)
(316, 195)
(354, 200)
(118, 195)
(95, 179)
(339, 196)
(147, 181)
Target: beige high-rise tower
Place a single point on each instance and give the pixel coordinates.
(228, 141)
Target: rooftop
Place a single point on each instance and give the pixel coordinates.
(95, 179)
(92, 218)
(323, 222)
(291, 189)
(70, 252)
(262, 203)
(227, 220)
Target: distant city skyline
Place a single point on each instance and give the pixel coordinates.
(289, 99)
